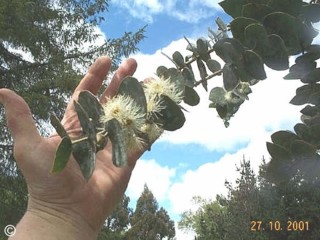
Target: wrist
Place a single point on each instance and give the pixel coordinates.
(49, 224)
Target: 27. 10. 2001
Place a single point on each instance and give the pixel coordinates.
(290, 225)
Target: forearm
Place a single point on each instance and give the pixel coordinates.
(42, 225)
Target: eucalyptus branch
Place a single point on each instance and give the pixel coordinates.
(194, 58)
(217, 73)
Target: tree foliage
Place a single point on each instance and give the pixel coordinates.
(255, 199)
(117, 223)
(148, 222)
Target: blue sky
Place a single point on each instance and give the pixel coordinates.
(163, 26)
(198, 158)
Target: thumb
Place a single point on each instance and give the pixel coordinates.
(19, 118)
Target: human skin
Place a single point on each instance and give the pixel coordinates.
(65, 205)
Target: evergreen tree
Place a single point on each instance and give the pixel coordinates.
(117, 223)
(148, 222)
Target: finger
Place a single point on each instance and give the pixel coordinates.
(127, 68)
(19, 117)
(92, 82)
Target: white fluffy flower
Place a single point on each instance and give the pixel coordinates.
(127, 112)
(155, 87)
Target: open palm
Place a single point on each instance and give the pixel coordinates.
(68, 194)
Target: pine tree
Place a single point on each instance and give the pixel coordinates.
(148, 222)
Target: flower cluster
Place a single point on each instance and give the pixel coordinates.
(125, 110)
(133, 121)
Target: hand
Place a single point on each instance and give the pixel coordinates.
(65, 204)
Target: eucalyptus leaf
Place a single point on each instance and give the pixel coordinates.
(309, 134)
(288, 28)
(62, 155)
(306, 94)
(256, 38)
(230, 80)
(256, 11)
(86, 123)
(217, 96)
(312, 77)
(276, 57)
(116, 136)
(191, 46)
(229, 49)
(161, 70)
(213, 65)
(279, 153)
(188, 76)
(300, 69)
(284, 138)
(312, 54)
(191, 97)
(131, 87)
(308, 120)
(303, 131)
(221, 25)
(292, 7)
(203, 73)
(310, 110)
(178, 59)
(202, 49)
(254, 65)
(223, 113)
(85, 155)
(238, 27)
(213, 35)
(91, 106)
(303, 151)
(232, 7)
(170, 117)
(58, 126)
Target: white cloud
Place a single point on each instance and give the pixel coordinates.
(141, 9)
(157, 178)
(189, 11)
(208, 180)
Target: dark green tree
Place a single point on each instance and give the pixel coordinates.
(209, 221)
(242, 202)
(117, 223)
(148, 222)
